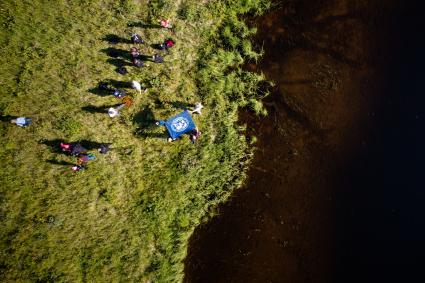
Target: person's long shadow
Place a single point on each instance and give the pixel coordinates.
(7, 118)
(118, 84)
(54, 145)
(105, 88)
(145, 120)
(145, 134)
(98, 109)
(56, 162)
(117, 53)
(115, 39)
(143, 25)
(182, 105)
(145, 57)
(90, 145)
(117, 62)
(99, 91)
(156, 46)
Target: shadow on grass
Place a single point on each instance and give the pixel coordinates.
(90, 145)
(158, 103)
(143, 25)
(181, 105)
(7, 118)
(100, 92)
(145, 118)
(118, 84)
(54, 145)
(106, 88)
(162, 52)
(156, 46)
(118, 62)
(145, 121)
(145, 134)
(144, 57)
(114, 39)
(116, 53)
(56, 162)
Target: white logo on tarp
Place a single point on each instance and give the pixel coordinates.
(180, 124)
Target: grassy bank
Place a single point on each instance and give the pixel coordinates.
(129, 215)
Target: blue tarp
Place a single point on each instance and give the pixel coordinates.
(180, 124)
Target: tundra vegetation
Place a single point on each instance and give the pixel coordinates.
(129, 216)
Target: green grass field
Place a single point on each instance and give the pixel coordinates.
(128, 217)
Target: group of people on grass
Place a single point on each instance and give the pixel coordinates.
(136, 60)
(83, 156)
(76, 149)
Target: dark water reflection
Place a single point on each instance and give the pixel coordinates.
(336, 190)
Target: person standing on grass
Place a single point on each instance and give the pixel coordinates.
(165, 23)
(194, 135)
(157, 58)
(137, 63)
(66, 147)
(137, 39)
(77, 168)
(104, 148)
(118, 93)
(22, 121)
(134, 51)
(167, 44)
(77, 149)
(137, 86)
(197, 109)
(114, 112)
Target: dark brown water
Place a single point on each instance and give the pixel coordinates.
(335, 192)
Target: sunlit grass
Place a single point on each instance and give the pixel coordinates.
(129, 215)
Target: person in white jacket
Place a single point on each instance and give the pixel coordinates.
(136, 85)
(22, 121)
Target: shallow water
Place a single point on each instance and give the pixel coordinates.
(335, 192)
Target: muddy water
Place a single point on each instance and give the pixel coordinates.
(335, 190)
